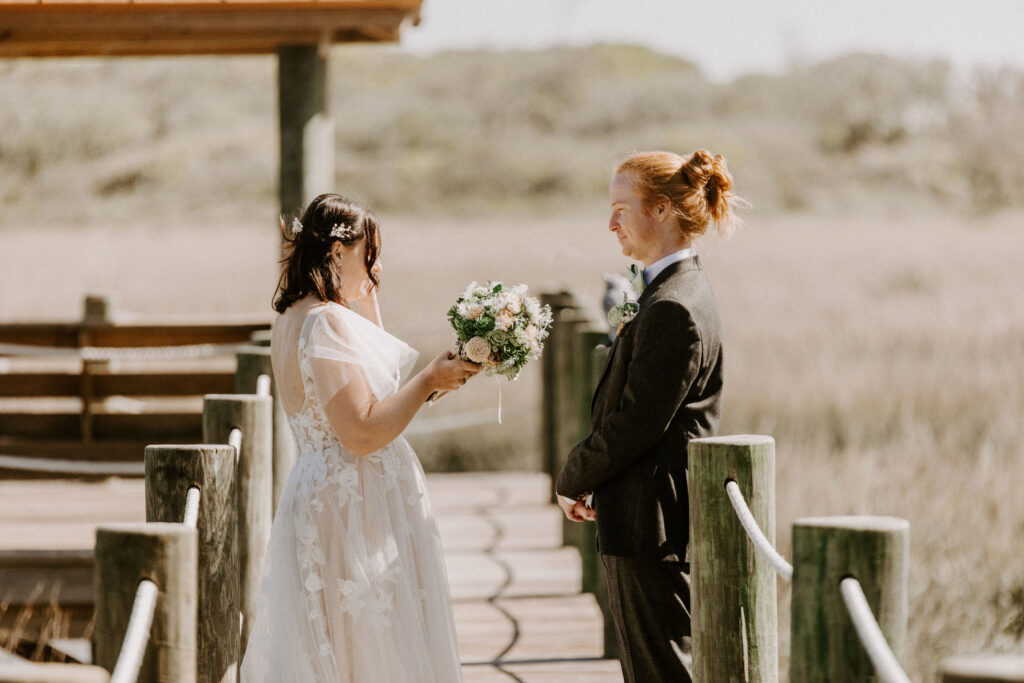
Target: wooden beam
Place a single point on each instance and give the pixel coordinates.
(61, 335)
(194, 27)
(48, 384)
(157, 47)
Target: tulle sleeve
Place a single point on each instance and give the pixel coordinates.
(342, 346)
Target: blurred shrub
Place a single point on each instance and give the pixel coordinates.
(465, 132)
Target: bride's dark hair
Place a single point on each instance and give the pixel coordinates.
(308, 267)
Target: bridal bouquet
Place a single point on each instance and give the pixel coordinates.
(500, 327)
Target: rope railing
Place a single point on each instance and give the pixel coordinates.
(140, 623)
(235, 441)
(98, 353)
(868, 631)
(191, 516)
(72, 467)
(129, 661)
(757, 537)
(263, 385)
(871, 636)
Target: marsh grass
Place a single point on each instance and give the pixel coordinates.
(26, 629)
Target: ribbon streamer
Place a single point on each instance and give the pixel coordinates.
(498, 380)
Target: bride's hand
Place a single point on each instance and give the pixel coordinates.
(447, 372)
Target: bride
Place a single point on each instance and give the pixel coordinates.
(354, 585)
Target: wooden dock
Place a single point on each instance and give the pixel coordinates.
(519, 612)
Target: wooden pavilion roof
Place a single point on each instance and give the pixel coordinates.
(54, 28)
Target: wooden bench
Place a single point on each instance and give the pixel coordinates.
(100, 390)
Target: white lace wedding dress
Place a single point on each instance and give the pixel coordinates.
(354, 586)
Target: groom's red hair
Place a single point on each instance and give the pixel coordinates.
(698, 189)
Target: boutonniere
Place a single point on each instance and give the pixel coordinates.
(623, 314)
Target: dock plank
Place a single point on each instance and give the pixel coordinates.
(565, 671)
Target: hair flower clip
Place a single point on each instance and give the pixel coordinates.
(296, 226)
(343, 232)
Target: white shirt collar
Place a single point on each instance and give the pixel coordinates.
(652, 271)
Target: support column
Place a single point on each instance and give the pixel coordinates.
(307, 130)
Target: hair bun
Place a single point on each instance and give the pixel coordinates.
(700, 166)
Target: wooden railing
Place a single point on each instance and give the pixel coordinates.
(58, 380)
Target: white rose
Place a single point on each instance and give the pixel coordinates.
(531, 332)
(477, 349)
(470, 310)
(504, 320)
(533, 307)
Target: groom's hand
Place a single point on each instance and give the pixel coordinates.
(575, 510)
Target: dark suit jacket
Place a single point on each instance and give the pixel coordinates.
(660, 387)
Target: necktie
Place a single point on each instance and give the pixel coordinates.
(636, 278)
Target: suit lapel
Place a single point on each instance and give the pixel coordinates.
(604, 371)
(686, 264)
(677, 267)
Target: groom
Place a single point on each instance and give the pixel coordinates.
(660, 387)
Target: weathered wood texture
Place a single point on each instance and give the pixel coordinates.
(170, 472)
(733, 588)
(165, 554)
(253, 415)
(252, 364)
(874, 550)
(991, 668)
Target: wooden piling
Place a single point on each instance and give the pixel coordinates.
(558, 402)
(253, 415)
(824, 646)
(990, 668)
(96, 313)
(732, 587)
(252, 364)
(589, 360)
(167, 555)
(170, 472)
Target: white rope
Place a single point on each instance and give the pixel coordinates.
(72, 467)
(263, 385)
(191, 517)
(235, 439)
(129, 660)
(871, 636)
(97, 353)
(763, 545)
